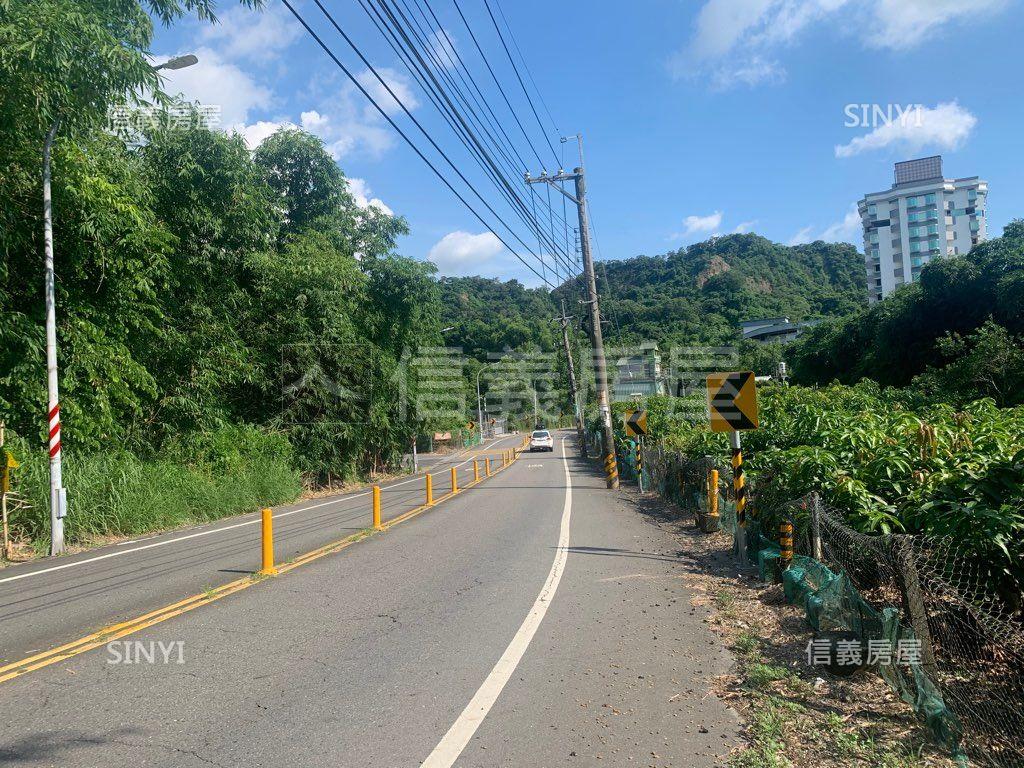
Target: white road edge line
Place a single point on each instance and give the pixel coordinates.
(454, 742)
(165, 542)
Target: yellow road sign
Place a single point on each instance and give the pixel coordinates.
(7, 463)
(732, 401)
(636, 423)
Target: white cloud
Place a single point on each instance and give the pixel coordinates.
(363, 196)
(459, 253)
(257, 36)
(693, 225)
(737, 42)
(906, 23)
(255, 134)
(945, 126)
(733, 39)
(339, 119)
(805, 235)
(217, 82)
(749, 72)
(744, 227)
(313, 121)
(442, 45)
(396, 82)
(848, 230)
(722, 23)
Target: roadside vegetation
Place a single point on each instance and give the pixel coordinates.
(229, 322)
(888, 463)
(793, 717)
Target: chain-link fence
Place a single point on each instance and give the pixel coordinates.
(918, 610)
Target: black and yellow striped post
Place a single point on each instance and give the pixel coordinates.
(739, 486)
(786, 544)
(611, 470)
(640, 464)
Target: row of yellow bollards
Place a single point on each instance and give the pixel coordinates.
(267, 534)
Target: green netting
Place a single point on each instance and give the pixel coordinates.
(832, 604)
(829, 596)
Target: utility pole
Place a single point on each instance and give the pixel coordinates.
(479, 408)
(58, 496)
(596, 336)
(573, 389)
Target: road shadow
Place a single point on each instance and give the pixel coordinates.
(47, 747)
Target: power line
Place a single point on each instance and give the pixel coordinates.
(497, 82)
(529, 74)
(406, 49)
(415, 44)
(405, 137)
(519, 77)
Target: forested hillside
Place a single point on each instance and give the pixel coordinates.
(488, 315)
(956, 335)
(696, 295)
(699, 295)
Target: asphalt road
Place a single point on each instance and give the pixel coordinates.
(534, 620)
(49, 602)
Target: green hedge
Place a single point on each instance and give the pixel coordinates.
(115, 493)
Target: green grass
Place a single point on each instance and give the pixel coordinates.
(768, 747)
(724, 600)
(235, 470)
(856, 744)
(747, 645)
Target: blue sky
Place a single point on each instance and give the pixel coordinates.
(700, 117)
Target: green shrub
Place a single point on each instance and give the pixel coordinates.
(198, 479)
(888, 462)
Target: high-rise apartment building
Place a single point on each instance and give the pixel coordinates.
(924, 217)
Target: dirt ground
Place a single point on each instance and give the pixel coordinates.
(796, 715)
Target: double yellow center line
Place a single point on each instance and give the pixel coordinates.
(116, 631)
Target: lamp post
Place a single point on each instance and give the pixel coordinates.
(479, 407)
(58, 493)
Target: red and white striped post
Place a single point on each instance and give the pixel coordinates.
(58, 496)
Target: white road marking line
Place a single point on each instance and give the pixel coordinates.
(165, 542)
(448, 750)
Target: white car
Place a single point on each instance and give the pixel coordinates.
(541, 440)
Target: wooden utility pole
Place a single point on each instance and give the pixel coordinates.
(590, 283)
(573, 389)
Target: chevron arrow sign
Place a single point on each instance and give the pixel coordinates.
(732, 401)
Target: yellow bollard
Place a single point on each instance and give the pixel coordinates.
(268, 568)
(430, 489)
(713, 494)
(455, 481)
(488, 466)
(786, 545)
(476, 471)
(376, 507)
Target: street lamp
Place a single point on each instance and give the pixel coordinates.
(178, 62)
(479, 407)
(58, 493)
